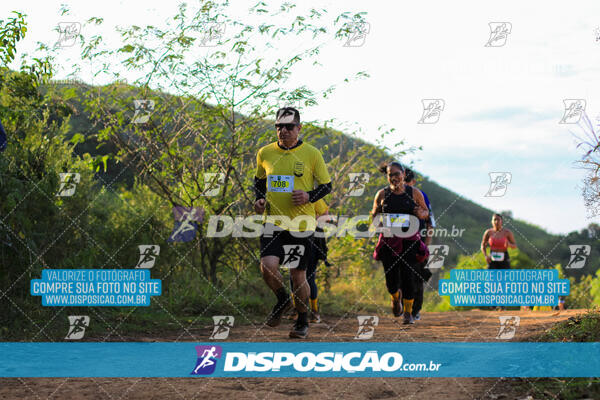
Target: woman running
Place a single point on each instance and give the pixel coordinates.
(400, 255)
(498, 239)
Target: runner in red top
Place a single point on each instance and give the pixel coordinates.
(498, 239)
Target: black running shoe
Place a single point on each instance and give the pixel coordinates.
(299, 331)
(396, 307)
(278, 310)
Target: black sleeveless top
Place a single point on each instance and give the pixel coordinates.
(402, 203)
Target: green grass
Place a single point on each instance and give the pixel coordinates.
(556, 388)
(580, 328)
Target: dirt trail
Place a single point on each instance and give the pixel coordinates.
(466, 326)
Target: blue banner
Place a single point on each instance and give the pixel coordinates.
(504, 287)
(95, 287)
(307, 359)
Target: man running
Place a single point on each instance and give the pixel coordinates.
(423, 274)
(286, 171)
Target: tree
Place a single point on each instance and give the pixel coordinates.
(38, 229)
(589, 142)
(206, 109)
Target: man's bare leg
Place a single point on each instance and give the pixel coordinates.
(301, 289)
(269, 266)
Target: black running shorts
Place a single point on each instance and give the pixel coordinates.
(505, 264)
(293, 252)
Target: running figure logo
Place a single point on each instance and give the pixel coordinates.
(574, 109)
(292, 255)
(358, 34)
(212, 183)
(358, 181)
(366, 326)
(207, 359)
(214, 32)
(223, 323)
(499, 32)
(579, 254)
(432, 109)
(77, 325)
(68, 184)
(508, 327)
(437, 254)
(148, 254)
(143, 109)
(186, 223)
(67, 33)
(499, 182)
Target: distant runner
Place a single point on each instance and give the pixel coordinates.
(498, 239)
(401, 257)
(286, 171)
(423, 274)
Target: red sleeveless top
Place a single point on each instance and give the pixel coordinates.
(498, 243)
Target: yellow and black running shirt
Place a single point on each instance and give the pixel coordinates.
(285, 171)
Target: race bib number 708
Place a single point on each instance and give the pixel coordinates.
(280, 183)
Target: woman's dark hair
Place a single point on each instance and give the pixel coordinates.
(409, 175)
(384, 166)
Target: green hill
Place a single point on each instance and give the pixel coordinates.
(460, 222)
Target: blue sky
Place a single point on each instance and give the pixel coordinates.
(502, 104)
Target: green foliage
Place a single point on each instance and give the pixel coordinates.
(37, 225)
(212, 111)
(11, 32)
(79, 129)
(581, 328)
(223, 101)
(556, 388)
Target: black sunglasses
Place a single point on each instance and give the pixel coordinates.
(289, 127)
(394, 174)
